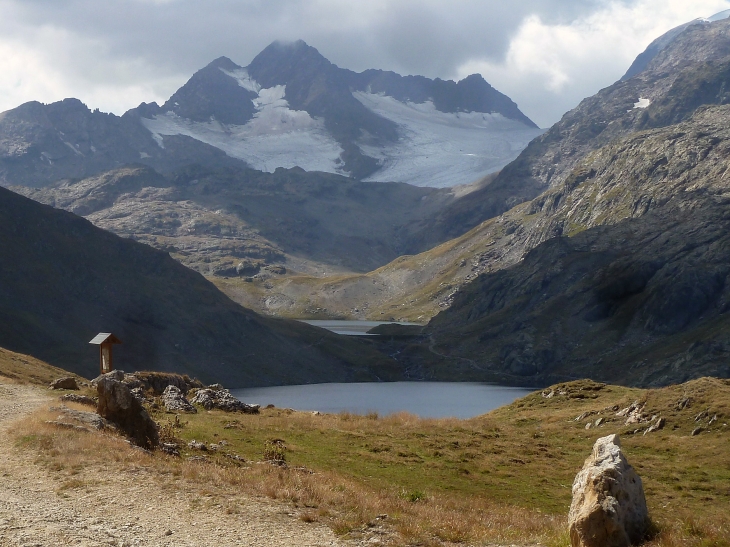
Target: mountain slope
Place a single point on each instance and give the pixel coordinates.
(625, 275)
(212, 220)
(41, 143)
(62, 280)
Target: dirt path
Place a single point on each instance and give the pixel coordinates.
(126, 508)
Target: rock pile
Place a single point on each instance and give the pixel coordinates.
(216, 396)
(118, 405)
(175, 401)
(609, 507)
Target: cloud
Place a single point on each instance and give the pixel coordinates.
(549, 68)
(545, 54)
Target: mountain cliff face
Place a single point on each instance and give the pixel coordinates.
(62, 280)
(289, 108)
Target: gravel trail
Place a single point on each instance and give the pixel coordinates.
(125, 508)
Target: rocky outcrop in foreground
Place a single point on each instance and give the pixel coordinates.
(609, 507)
(118, 405)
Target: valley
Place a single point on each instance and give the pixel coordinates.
(601, 242)
(364, 308)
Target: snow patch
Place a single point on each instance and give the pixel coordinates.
(275, 137)
(643, 103)
(243, 79)
(719, 16)
(72, 147)
(143, 155)
(442, 149)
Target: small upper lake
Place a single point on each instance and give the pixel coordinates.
(348, 327)
(425, 399)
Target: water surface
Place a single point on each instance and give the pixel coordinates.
(350, 327)
(425, 399)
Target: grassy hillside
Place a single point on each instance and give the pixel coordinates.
(24, 369)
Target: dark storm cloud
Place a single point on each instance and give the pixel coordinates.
(430, 38)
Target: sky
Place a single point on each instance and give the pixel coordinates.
(546, 55)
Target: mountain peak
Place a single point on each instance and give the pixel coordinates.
(295, 45)
(642, 62)
(223, 63)
(212, 92)
(281, 62)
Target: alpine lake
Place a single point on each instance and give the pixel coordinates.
(424, 399)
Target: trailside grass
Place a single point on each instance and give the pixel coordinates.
(16, 367)
(504, 477)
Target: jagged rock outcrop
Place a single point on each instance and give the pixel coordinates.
(609, 507)
(118, 405)
(174, 400)
(216, 396)
(77, 419)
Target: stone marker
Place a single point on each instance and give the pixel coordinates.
(609, 507)
(118, 405)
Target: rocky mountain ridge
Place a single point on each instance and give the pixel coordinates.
(289, 108)
(689, 72)
(241, 222)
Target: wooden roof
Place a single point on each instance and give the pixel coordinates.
(105, 337)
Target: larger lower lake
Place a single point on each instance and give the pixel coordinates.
(425, 399)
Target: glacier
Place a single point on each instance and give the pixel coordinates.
(440, 149)
(434, 148)
(276, 136)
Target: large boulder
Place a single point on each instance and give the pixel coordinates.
(175, 401)
(118, 405)
(609, 507)
(216, 396)
(68, 382)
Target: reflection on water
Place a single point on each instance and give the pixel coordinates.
(425, 399)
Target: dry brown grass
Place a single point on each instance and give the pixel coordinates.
(24, 369)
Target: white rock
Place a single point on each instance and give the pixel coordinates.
(609, 507)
